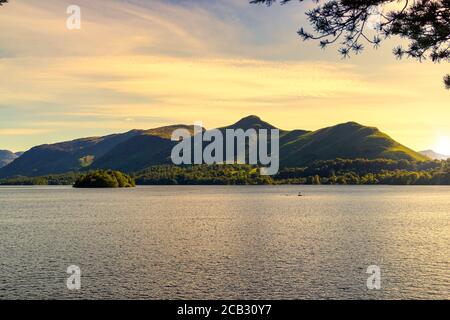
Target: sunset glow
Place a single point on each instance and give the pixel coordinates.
(178, 62)
(443, 146)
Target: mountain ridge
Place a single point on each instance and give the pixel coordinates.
(137, 149)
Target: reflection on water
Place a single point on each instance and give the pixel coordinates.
(261, 242)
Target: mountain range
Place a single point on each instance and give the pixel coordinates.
(434, 155)
(138, 149)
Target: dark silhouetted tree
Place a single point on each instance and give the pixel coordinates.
(349, 23)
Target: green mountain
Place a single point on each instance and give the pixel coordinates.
(139, 149)
(151, 147)
(64, 156)
(6, 157)
(346, 141)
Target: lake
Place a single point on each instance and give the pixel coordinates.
(225, 242)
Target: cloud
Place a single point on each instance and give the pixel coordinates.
(22, 131)
(173, 28)
(133, 86)
(159, 62)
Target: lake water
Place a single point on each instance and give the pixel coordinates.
(209, 242)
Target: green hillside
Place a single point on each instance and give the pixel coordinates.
(64, 156)
(149, 148)
(346, 141)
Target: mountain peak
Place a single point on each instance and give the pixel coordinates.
(251, 118)
(351, 124)
(253, 122)
(351, 128)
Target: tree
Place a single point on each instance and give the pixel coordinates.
(105, 179)
(316, 180)
(3, 1)
(425, 23)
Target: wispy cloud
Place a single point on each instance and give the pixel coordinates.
(139, 63)
(22, 131)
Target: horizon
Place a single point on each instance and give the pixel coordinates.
(61, 84)
(221, 126)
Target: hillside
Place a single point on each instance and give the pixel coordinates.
(138, 149)
(149, 148)
(6, 157)
(346, 141)
(64, 156)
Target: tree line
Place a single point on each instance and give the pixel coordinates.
(328, 172)
(338, 171)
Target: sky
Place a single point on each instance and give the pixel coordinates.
(140, 64)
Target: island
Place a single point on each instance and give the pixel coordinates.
(104, 179)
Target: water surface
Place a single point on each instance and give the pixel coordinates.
(230, 242)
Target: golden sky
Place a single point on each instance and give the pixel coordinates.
(142, 64)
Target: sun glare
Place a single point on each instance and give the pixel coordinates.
(443, 146)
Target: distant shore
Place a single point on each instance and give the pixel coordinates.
(329, 172)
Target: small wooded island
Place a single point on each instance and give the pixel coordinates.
(105, 179)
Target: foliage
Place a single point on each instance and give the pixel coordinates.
(59, 179)
(105, 179)
(338, 171)
(202, 175)
(425, 23)
(366, 172)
